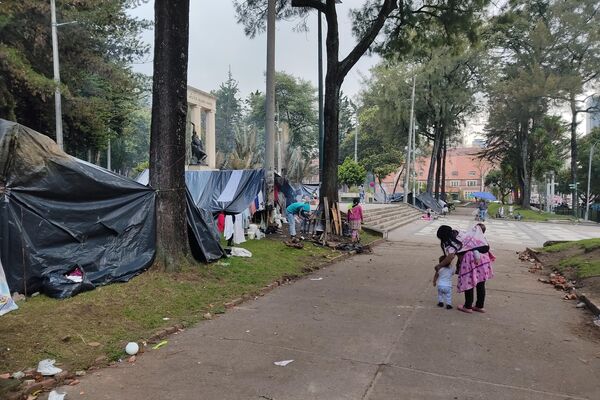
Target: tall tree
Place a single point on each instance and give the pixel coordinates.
(574, 24)
(167, 140)
(396, 17)
(521, 89)
(100, 92)
(228, 115)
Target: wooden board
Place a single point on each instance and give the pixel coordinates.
(327, 221)
(339, 218)
(336, 222)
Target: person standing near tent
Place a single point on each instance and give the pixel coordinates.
(299, 208)
(355, 218)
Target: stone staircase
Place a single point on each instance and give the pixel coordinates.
(389, 217)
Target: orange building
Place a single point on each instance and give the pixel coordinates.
(465, 173)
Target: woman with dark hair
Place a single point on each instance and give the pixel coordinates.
(355, 218)
(474, 264)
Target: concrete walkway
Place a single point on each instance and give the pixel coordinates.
(370, 329)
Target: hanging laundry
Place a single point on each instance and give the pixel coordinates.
(221, 222)
(238, 229)
(228, 230)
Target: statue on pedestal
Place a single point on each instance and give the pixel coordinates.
(198, 153)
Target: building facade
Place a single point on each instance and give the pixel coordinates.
(465, 174)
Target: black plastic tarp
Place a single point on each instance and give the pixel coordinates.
(204, 237)
(58, 212)
(426, 200)
(230, 191)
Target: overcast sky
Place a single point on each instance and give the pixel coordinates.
(217, 42)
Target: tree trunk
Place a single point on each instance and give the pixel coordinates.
(167, 138)
(434, 152)
(336, 72)
(525, 175)
(573, 126)
(443, 194)
(333, 82)
(438, 172)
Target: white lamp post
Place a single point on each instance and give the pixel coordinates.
(587, 200)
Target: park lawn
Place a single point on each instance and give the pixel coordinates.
(580, 259)
(110, 316)
(528, 215)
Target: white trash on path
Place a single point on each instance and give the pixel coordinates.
(240, 252)
(283, 363)
(54, 395)
(316, 279)
(46, 367)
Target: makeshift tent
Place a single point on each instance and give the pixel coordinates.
(58, 213)
(210, 193)
(295, 191)
(229, 191)
(425, 201)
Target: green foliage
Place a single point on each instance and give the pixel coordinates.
(246, 154)
(383, 164)
(100, 91)
(296, 103)
(502, 181)
(131, 148)
(351, 173)
(228, 114)
(583, 158)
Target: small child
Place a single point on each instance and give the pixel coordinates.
(443, 280)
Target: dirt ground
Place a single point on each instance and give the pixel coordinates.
(551, 261)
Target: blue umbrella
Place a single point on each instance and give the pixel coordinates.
(484, 195)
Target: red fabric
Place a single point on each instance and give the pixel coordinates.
(221, 222)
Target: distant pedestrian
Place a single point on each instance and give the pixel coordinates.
(482, 207)
(361, 194)
(474, 263)
(355, 219)
(443, 280)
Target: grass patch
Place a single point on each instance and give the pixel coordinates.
(585, 268)
(528, 215)
(587, 245)
(115, 314)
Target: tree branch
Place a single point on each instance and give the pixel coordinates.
(316, 4)
(365, 42)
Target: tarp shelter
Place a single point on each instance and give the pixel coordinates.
(230, 191)
(58, 212)
(210, 193)
(425, 201)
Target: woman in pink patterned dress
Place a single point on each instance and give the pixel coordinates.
(474, 262)
(355, 218)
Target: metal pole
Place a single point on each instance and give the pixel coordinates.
(409, 145)
(321, 119)
(108, 157)
(587, 199)
(270, 106)
(356, 143)
(552, 192)
(57, 96)
(414, 162)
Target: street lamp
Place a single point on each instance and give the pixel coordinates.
(57, 94)
(587, 199)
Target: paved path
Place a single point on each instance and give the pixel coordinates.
(502, 234)
(370, 329)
